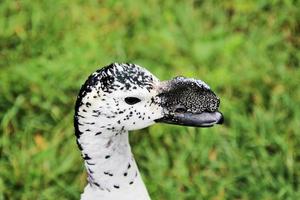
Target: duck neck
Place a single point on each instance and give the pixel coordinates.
(108, 159)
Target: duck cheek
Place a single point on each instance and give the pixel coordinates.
(139, 124)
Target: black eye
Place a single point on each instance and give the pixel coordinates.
(132, 100)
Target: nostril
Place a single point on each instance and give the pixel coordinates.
(180, 109)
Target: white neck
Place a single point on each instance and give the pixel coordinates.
(112, 170)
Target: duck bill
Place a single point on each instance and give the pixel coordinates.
(189, 102)
(204, 119)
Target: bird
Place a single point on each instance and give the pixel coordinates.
(122, 97)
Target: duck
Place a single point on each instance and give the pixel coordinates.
(122, 97)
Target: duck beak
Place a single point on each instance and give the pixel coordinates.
(189, 102)
(204, 119)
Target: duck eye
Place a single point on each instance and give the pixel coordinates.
(132, 100)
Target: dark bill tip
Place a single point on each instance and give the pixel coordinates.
(205, 119)
(221, 119)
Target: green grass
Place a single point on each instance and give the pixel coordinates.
(248, 52)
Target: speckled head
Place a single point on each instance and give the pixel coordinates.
(119, 97)
(128, 97)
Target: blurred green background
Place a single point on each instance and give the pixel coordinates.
(247, 51)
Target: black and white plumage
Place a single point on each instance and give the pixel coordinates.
(123, 97)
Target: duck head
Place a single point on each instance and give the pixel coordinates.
(128, 97)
